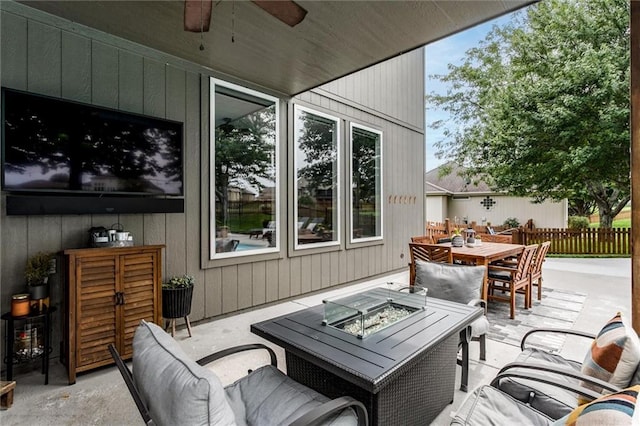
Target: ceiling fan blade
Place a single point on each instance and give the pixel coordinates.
(287, 11)
(197, 15)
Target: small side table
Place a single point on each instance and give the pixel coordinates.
(34, 350)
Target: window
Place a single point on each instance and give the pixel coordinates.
(366, 184)
(317, 207)
(244, 171)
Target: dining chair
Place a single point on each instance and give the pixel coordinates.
(428, 253)
(536, 268)
(423, 239)
(512, 279)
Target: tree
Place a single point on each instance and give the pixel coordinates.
(244, 151)
(542, 105)
(318, 144)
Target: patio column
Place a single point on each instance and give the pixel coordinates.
(635, 164)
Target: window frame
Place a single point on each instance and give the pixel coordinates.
(213, 255)
(297, 247)
(366, 240)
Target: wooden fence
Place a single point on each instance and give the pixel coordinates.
(589, 241)
(596, 241)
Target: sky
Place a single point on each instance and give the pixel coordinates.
(438, 56)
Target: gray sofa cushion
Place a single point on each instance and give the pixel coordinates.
(268, 397)
(456, 283)
(488, 406)
(175, 388)
(551, 400)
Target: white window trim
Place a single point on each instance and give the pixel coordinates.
(379, 133)
(212, 176)
(337, 228)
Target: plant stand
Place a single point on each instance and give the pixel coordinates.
(176, 303)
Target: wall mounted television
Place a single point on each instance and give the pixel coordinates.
(58, 147)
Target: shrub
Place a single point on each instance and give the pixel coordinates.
(511, 222)
(180, 282)
(578, 222)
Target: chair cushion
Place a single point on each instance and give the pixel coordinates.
(614, 354)
(489, 406)
(551, 400)
(455, 283)
(479, 326)
(499, 275)
(268, 397)
(614, 409)
(175, 388)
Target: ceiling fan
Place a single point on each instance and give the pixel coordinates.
(197, 13)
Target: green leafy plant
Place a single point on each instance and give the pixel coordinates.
(180, 281)
(578, 222)
(511, 222)
(38, 268)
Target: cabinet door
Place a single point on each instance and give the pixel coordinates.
(140, 283)
(95, 326)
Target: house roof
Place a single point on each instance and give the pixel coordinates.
(335, 38)
(453, 183)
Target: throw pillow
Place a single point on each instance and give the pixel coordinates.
(456, 283)
(175, 388)
(614, 354)
(615, 409)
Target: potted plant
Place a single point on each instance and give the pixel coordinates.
(456, 238)
(176, 296)
(36, 272)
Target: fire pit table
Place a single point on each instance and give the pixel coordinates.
(403, 371)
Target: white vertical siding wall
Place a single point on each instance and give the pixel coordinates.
(545, 215)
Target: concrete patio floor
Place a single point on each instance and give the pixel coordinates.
(101, 398)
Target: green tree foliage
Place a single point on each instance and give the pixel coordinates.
(541, 106)
(318, 144)
(244, 150)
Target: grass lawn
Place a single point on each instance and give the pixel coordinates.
(617, 223)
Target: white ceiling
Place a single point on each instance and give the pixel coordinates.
(336, 38)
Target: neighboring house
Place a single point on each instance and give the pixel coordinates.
(454, 196)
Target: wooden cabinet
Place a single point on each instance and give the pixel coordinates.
(109, 290)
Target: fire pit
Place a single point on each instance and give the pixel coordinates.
(363, 314)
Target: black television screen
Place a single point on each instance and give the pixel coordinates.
(55, 145)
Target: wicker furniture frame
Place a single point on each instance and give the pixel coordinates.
(404, 374)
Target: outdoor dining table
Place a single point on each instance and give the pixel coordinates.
(484, 254)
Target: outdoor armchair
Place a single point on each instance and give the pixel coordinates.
(169, 388)
(610, 365)
(488, 405)
(461, 284)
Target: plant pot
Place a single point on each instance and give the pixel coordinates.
(457, 241)
(176, 302)
(38, 292)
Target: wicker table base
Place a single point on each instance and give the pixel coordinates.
(413, 398)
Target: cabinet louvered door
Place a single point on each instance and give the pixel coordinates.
(97, 310)
(138, 276)
(109, 291)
